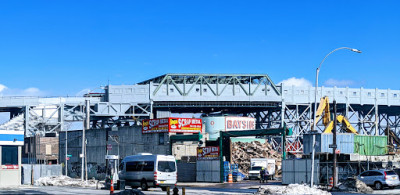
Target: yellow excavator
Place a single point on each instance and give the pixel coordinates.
(327, 121)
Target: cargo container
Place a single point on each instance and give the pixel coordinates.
(370, 145)
(344, 141)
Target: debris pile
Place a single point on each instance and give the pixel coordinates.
(291, 189)
(64, 181)
(353, 184)
(242, 152)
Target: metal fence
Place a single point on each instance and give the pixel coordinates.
(208, 171)
(38, 172)
(186, 172)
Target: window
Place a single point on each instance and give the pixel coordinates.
(133, 166)
(341, 92)
(161, 139)
(395, 95)
(139, 166)
(375, 173)
(369, 94)
(148, 166)
(365, 174)
(166, 166)
(9, 155)
(197, 90)
(390, 173)
(354, 93)
(205, 90)
(382, 95)
(256, 168)
(171, 90)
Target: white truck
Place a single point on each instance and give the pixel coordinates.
(256, 164)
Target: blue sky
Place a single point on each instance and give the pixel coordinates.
(57, 48)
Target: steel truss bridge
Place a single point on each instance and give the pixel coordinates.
(370, 111)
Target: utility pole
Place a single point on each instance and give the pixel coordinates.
(66, 152)
(83, 154)
(87, 127)
(334, 144)
(107, 151)
(61, 118)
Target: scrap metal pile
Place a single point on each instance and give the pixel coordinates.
(242, 152)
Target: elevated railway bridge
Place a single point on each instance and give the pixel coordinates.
(370, 111)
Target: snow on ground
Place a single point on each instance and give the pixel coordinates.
(64, 181)
(291, 189)
(353, 184)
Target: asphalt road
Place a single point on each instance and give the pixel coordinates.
(79, 190)
(246, 187)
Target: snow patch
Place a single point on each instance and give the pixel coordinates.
(291, 189)
(353, 184)
(64, 181)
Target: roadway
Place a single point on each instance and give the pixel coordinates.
(245, 187)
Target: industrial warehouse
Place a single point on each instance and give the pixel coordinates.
(219, 128)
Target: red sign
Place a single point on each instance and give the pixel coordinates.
(172, 125)
(208, 153)
(239, 123)
(67, 158)
(10, 167)
(109, 147)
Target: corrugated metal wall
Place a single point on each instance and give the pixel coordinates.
(39, 171)
(186, 172)
(208, 171)
(299, 171)
(370, 145)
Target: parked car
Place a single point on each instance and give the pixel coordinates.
(147, 170)
(380, 178)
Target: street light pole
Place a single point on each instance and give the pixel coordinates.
(315, 107)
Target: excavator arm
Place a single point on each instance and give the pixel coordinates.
(323, 106)
(344, 121)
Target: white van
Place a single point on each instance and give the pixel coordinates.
(147, 170)
(258, 163)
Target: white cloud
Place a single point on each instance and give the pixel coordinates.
(297, 82)
(338, 83)
(2, 87)
(31, 91)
